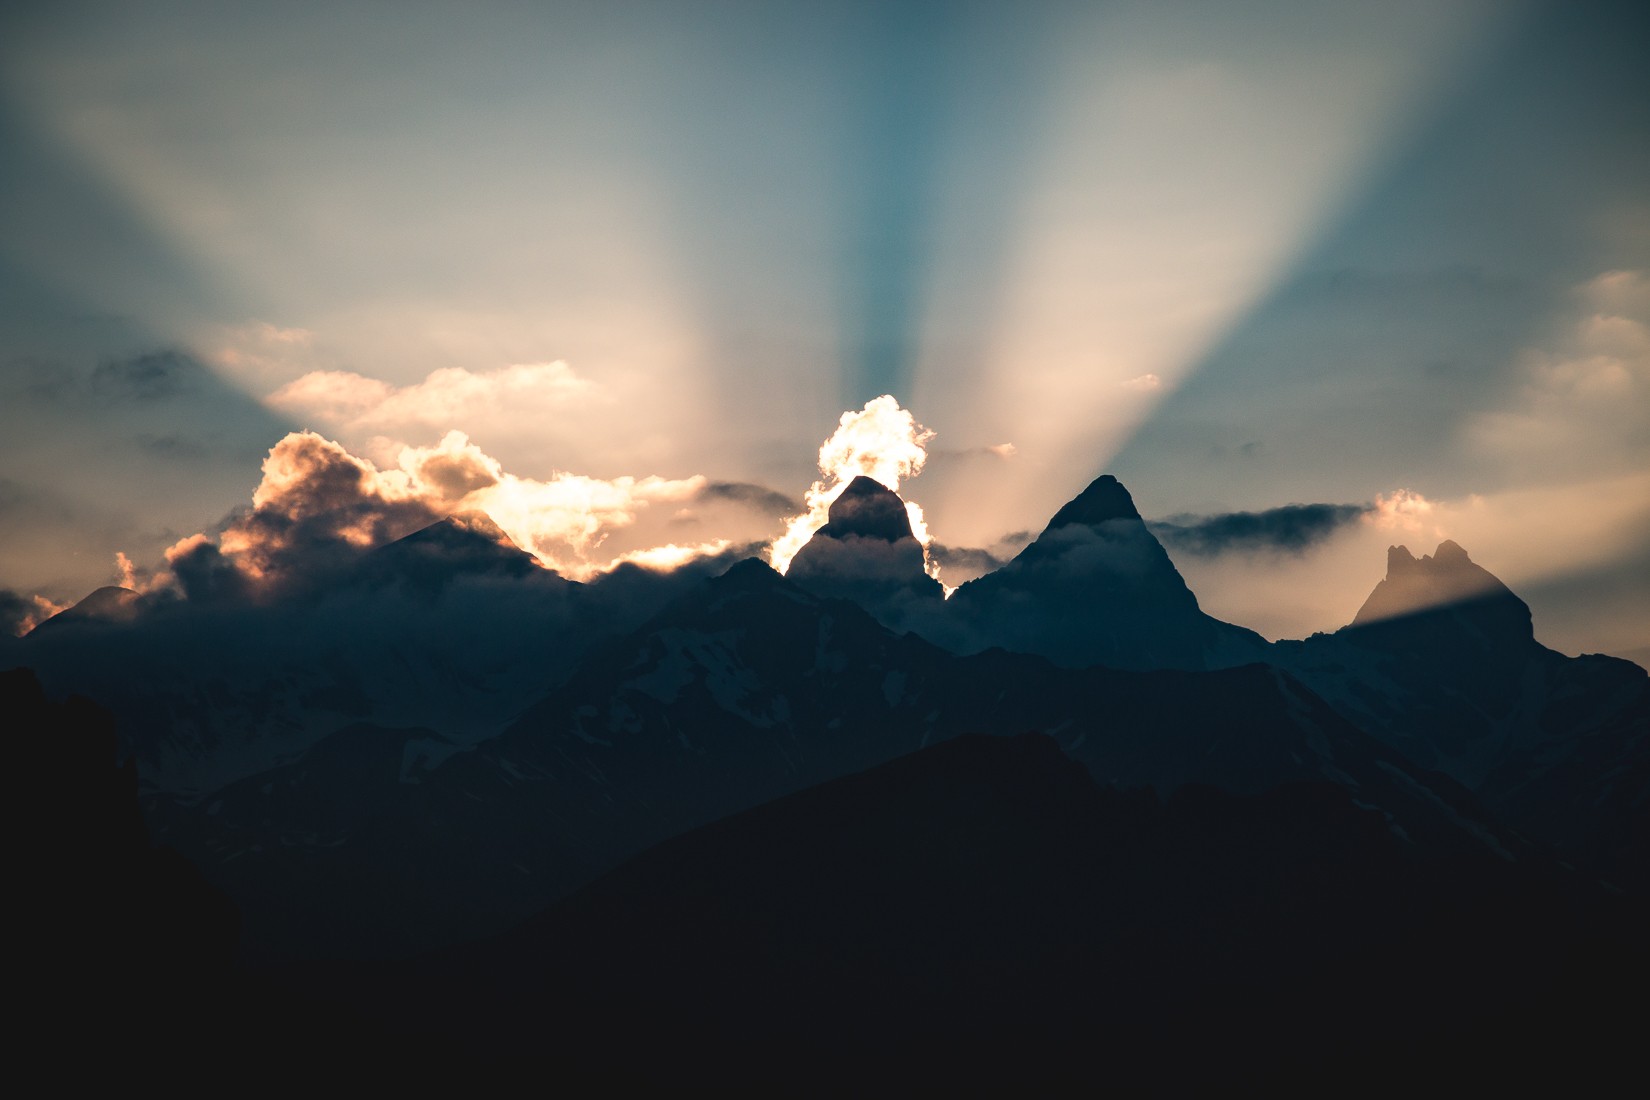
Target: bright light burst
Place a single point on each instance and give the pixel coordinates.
(881, 441)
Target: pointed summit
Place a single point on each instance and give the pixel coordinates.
(1096, 587)
(1104, 499)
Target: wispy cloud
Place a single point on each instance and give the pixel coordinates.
(1582, 402)
(447, 398)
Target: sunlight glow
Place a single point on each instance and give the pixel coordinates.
(1179, 173)
(881, 441)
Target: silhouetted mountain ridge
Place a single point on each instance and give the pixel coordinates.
(1441, 662)
(739, 806)
(564, 727)
(1447, 581)
(745, 689)
(1095, 587)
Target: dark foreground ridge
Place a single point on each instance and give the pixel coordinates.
(983, 913)
(122, 956)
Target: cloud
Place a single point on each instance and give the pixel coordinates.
(171, 447)
(261, 348)
(318, 506)
(1145, 383)
(16, 613)
(471, 400)
(967, 561)
(152, 377)
(1296, 528)
(1582, 404)
(537, 418)
(1004, 451)
(1291, 529)
(20, 614)
(117, 453)
(881, 441)
(758, 498)
(671, 556)
(127, 571)
(1403, 510)
(204, 575)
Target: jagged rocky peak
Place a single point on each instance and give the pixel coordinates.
(1446, 578)
(1104, 499)
(1449, 556)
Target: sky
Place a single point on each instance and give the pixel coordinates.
(1387, 264)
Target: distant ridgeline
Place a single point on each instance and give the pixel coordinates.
(722, 804)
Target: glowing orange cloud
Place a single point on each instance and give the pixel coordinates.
(881, 441)
(1402, 509)
(42, 610)
(128, 571)
(317, 499)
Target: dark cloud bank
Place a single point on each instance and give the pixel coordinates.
(1291, 529)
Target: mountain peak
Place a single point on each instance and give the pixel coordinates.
(748, 573)
(1096, 587)
(866, 552)
(463, 543)
(1104, 499)
(477, 523)
(1450, 553)
(1446, 578)
(109, 604)
(868, 509)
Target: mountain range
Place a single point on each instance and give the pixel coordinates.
(434, 770)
